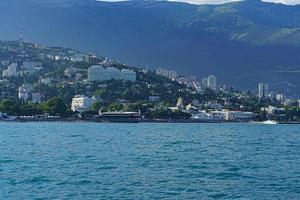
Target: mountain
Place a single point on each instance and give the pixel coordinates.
(243, 43)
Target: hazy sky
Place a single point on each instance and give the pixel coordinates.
(224, 1)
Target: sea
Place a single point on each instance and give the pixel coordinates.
(77, 160)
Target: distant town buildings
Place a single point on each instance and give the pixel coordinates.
(212, 82)
(78, 57)
(45, 80)
(82, 103)
(280, 97)
(36, 97)
(170, 74)
(263, 90)
(31, 65)
(25, 92)
(11, 70)
(92, 59)
(158, 97)
(71, 71)
(238, 115)
(180, 103)
(99, 73)
(154, 98)
(204, 82)
(272, 110)
(4, 63)
(223, 115)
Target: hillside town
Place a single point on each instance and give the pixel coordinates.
(54, 83)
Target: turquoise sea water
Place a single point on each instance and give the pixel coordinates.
(149, 161)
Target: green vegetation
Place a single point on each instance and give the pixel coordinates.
(55, 106)
(168, 114)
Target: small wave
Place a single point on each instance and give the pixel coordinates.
(39, 179)
(74, 136)
(6, 161)
(106, 168)
(83, 182)
(218, 195)
(227, 175)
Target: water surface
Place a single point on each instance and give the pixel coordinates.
(149, 161)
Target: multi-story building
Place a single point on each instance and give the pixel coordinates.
(99, 73)
(204, 82)
(212, 82)
(280, 97)
(92, 59)
(82, 103)
(11, 70)
(263, 90)
(167, 73)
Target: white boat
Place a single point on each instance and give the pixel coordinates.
(268, 122)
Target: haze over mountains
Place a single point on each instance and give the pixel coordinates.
(243, 43)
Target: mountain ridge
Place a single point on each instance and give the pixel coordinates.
(242, 42)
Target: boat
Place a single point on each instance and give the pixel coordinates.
(268, 122)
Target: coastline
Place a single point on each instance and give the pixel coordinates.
(130, 121)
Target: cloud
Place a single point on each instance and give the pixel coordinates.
(205, 1)
(289, 2)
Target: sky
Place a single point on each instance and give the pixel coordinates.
(290, 2)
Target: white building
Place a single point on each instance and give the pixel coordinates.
(82, 103)
(238, 115)
(78, 57)
(203, 115)
(212, 82)
(272, 110)
(11, 70)
(45, 80)
(214, 105)
(99, 73)
(170, 74)
(25, 92)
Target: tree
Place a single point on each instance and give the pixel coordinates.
(29, 109)
(8, 106)
(96, 106)
(115, 107)
(55, 106)
(100, 93)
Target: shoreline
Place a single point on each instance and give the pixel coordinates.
(135, 121)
